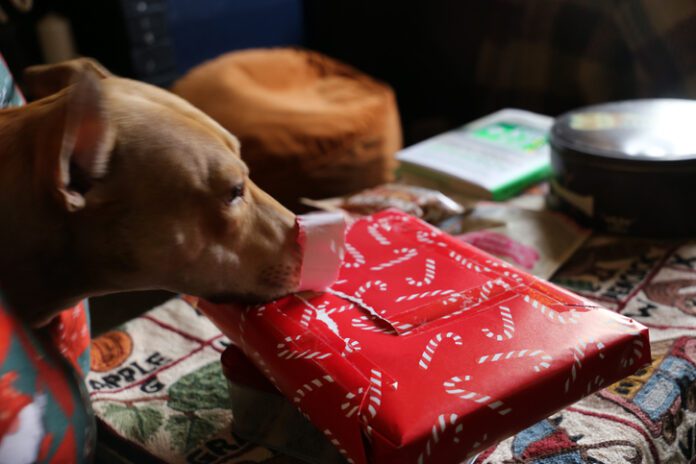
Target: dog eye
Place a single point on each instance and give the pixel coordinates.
(235, 193)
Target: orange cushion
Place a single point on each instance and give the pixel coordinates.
(309, 125)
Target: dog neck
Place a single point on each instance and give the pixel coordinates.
(41, 267)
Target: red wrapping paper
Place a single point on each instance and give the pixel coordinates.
(426, 349)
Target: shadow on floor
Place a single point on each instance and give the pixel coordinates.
(110, 311)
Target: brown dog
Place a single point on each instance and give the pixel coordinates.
(110, 185)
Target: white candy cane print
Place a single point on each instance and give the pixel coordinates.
(514, 276)
(321, 314)
(427, 237)
(351, 405)
(584, 343)
(545, 362)
(419, 296)
(433, 344)
(381, 286)
(484, 295)
(352, 346)
(487, 288)
(406, 255)
(477, 444)
(444, 422)
(374, 399)
(260, 310)
(368, 324)
(307, 314)
(636, 353)
(508, 326)
(429, 274)
(595, 384)
(579, 353)
(464, 262)
(358, 258)
(334, 441)
(570, 317)
(285, 352)
(374, 232)
(453, 387)
(312, 385)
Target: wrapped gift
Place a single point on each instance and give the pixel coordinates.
(426, 349)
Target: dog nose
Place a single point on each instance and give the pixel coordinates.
(321, 237)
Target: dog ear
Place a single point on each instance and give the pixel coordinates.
(87, 143)
(44, 80)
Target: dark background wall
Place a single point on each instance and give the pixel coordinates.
(449, 61)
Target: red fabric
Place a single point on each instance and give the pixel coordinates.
(69, 331)
(66, 451)
(12, 402)
(427, 349)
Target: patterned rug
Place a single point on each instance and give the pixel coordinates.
(157, 385)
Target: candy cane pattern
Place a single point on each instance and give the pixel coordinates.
(367, 323)
(374, 398)
(377, 235)
(319, 313)
(418, 296)
(427, 237)
(596, 384)
(358, 258)
(514, 276)
(284, 352)
(408, 254)
(502, 264)
(443, 422)
(477, 444)
(579, 353)
(508, 326)
(570, 318)
(583, 344)
(307, 314)
(334, 441)
(636, 353)
(323, 307)
(260, 310)
(577, 365)
(452, 387)
(544, 364)
(508, 272)
(429, 274)
(484, 295)
(433, 344)
(352, 346)
(349, 402)
(311, 386)
(368, 285)
(386, 222)
(464, 262)
(487, 288)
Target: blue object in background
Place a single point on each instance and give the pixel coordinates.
(204, 29)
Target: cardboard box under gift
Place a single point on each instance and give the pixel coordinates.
(427, 349)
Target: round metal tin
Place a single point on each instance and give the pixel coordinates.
(627, 167)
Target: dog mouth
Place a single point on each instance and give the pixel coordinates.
(280, 276)
(272, 283)
(225, 298)
(243, 298)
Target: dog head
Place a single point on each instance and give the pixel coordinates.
(155, 194)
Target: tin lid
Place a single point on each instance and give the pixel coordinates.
(659, 132)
